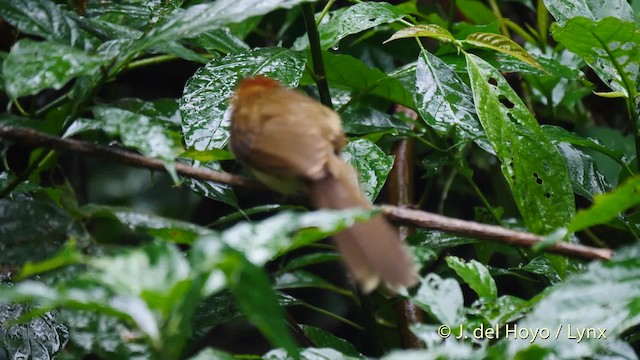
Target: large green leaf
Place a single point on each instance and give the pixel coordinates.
(442, 298)
(347, 72)
(40, 338)
(205, 102)
(46, 19)
(251, 288)
(323, 338)
(34, 66)
(352, 20)
(610, 46)
(424, 30)
(565, 10)
(502, 44)
(608, 206)
(444, 101)
(607, 303)
(531, 163)
(201, 18)
(371, 163)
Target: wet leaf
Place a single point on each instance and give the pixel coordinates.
(205, 102)
(212, 190)
(221, 40)
(445, 102)
(34, 66)
(46, 19)
(303, 279)
(531, 164)
(371, 163)
(565, 10)
(442, 298)
(476, 275)
(40, 338)
(610, 46)
(608, 302)
(585, 177)
(351, 20)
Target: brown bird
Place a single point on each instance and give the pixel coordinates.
(291, 143)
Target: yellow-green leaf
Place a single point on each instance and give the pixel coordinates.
(424, 30)
(502, 44)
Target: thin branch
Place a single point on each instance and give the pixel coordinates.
(36, 138)
(398, 214)
(491, 232)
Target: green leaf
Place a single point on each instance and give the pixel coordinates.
(351, 20)
(424, 30)
(347, 72)
(442, 298)
(152, 137)
(608, 206)
(3, 56)
(308, 354)
(558, 134)
(252, 290)
(207, 155)
(201, 18)
(40, 338)
(371, 163)
(262, 241)
(531, 164)
(324, 339)
(205, 102)
(476, 275)
(34, 66)
(585, 177)
(444, 101)
(609, 294)
(610, 46)
(565, 10)
(46, 19)
(502, 44)
(476, 11)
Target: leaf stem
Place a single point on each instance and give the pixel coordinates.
(150, 60)
(316, 55)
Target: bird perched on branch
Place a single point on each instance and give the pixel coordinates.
(291, 143)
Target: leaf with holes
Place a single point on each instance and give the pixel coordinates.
(531, 163)
(205, 101)
(424, 30)
(502, 44)
(352, 20)
(371, 163)
(564, 10)
(610, 46)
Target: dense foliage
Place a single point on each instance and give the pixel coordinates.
(522, 122)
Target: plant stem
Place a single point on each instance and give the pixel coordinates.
(316, 55)
(150, 60)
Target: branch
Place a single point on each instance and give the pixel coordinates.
(36, 138)
(316, 55)
(400, 215)
(491, 232)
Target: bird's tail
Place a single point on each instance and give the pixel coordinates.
(371, 250)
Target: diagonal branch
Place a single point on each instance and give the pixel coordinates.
(398, 214)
